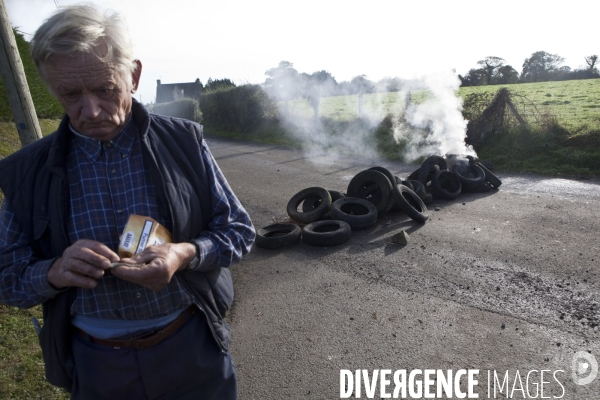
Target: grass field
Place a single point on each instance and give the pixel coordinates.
(21, 363)
(576, 104)
(562, 136)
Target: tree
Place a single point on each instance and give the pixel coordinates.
(360, 84)
(282, 81)
(315, 85)
(389, 84)
(218, 84)
(541, 66)
(506, 74)
(489, 65)
(591, 61)
(475, 77)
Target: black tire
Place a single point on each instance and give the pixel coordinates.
(369, 189)
(490, 177)
(488, 164)
(445, 185)
(335, 195)
(386, 172)
(418, 188)
(414, 175)
(408, 184)
(370, 192)
(276, 236)
(358, 213)
(427, 165)
(315, 214)
(428, 199)
(313, 201)
(326, 233)
(470, 175)
(364, 178)
(483, 188)
(410, 203)
(392, 180)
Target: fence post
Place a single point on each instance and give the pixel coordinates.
(15, 83)
(360, 105)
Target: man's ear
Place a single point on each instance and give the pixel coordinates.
(135, 76)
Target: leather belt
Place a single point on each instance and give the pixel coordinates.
(148, 340)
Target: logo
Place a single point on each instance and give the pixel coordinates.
(584, 368)
(127, 240)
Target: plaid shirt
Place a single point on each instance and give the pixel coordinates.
(108, 181)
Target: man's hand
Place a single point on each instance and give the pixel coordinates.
(161, 263)
(81, 265)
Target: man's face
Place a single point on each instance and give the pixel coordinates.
(94, 95)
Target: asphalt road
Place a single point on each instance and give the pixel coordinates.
(496, 282)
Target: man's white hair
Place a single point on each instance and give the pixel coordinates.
(85, 29)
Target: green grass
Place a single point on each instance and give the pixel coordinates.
(45, 105)
(544, 151)
(576, 104)
(345, 108)
(562, 136)
(21, 363)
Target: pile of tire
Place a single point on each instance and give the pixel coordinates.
(328, 216)
(445, 178)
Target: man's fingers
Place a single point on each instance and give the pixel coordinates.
(81, 264)
(134, 273)
(152, 276)
(67, 272)
(93, 253)
(74, 279)
(82, 267)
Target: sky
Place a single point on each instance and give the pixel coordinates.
(181, 40)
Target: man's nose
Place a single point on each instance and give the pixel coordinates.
(90, 106)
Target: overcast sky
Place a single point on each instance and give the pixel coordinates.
(181, 40)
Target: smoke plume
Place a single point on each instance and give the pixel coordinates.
(337, 120)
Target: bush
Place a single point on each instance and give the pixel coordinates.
(387, 145)
(239, 109)
(218, 84)
(184, 108)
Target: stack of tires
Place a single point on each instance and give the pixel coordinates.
(330, 216)
(446, 178)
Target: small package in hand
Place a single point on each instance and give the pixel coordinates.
(141, 232)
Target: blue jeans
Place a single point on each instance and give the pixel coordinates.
(187, 365)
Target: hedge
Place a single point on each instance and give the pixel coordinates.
(184, 108)
(240, 109)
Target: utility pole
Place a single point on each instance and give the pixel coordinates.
(15, 83)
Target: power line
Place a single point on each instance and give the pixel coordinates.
(56, 4)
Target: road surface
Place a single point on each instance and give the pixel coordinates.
(505, 283)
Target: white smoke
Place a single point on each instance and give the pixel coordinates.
(430, 126)
(435, 126)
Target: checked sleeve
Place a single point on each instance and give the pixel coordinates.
(230, 231)
(23, 277)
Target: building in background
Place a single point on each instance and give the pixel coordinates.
(166, 92)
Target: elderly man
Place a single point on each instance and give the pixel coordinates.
(153, 330)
